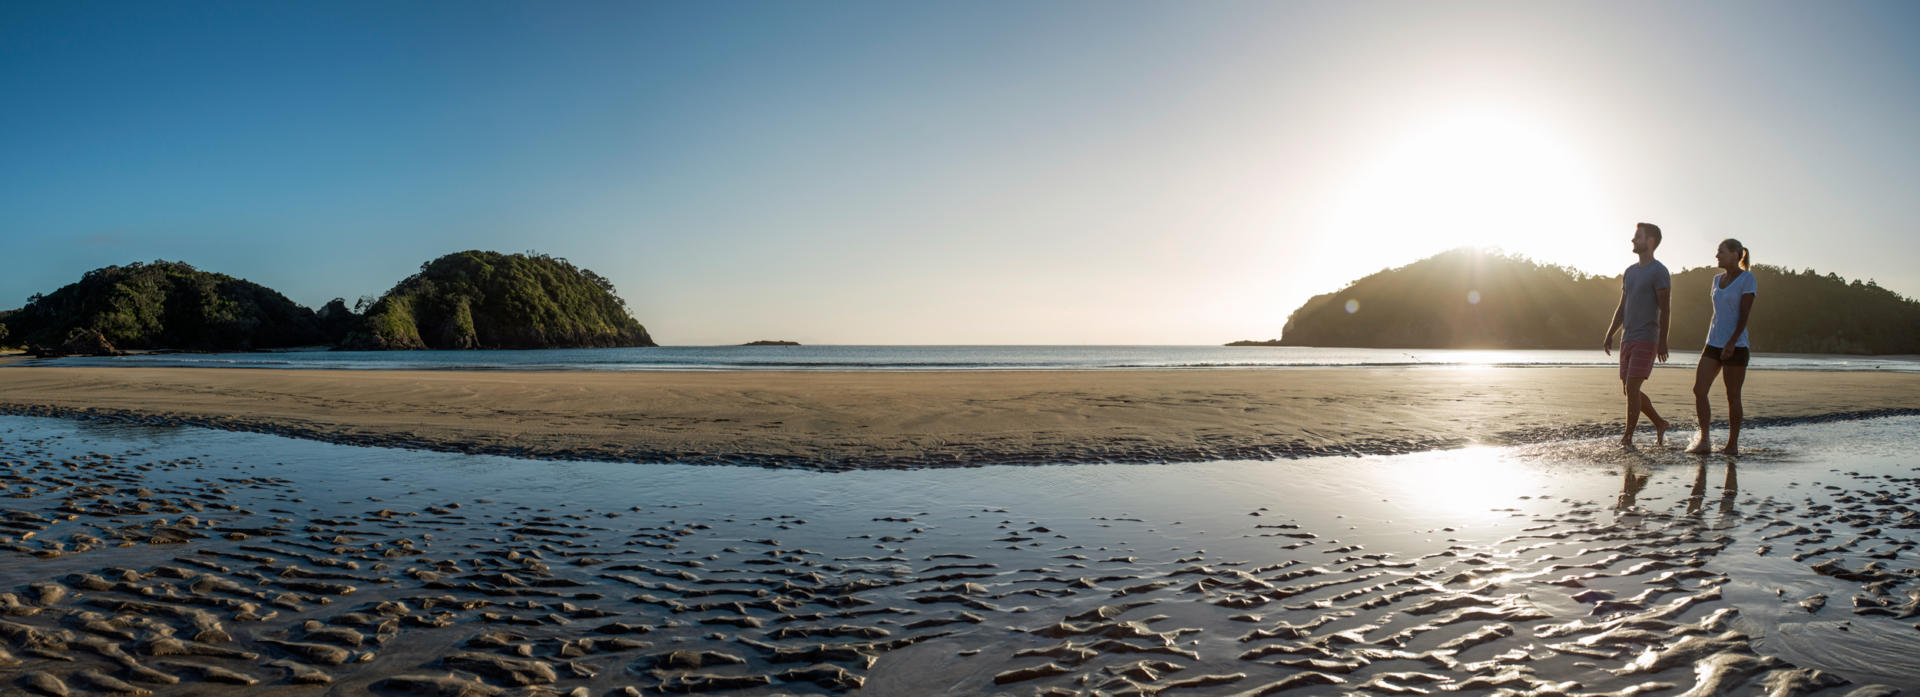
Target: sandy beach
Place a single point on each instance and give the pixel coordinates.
(838, 420)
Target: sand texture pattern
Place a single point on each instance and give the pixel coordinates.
(129, 573)
(840, 420)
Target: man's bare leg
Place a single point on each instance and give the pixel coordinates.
(1633, 409)
(1659, 424)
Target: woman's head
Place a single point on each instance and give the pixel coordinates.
(1733, 255)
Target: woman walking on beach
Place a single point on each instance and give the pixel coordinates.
(1732, 292)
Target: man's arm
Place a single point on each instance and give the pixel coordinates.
(1665, 297)
(1619, 315)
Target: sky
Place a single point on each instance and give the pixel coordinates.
(977, 172)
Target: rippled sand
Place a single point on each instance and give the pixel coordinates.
(180, 561)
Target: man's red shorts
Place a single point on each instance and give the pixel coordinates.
(1636, 359)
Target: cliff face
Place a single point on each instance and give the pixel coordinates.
(165, 305)
(488, 300)
(1467, 299)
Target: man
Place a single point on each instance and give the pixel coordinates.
(1644, 293)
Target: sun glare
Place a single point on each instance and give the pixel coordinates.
(1486, 179)
(1456, 484)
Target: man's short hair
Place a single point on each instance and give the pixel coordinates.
(1653, 231)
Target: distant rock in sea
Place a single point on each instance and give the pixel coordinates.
(772, 342)
(1248, 342)
(488, 300)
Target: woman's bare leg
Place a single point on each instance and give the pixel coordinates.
(1736, 376)
(1703, 409)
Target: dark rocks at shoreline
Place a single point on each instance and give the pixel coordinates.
(80, 342)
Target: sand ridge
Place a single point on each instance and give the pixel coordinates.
(841, 420)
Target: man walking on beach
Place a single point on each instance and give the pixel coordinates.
(1645, 290)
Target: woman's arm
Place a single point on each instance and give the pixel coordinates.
(1746, 310)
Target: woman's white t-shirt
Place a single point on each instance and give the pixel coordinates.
(1726, 309)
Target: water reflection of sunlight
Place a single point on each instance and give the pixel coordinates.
(1457, 484)
(1479, 358)
(1476, 360)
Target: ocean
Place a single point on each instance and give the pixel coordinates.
(912, 358)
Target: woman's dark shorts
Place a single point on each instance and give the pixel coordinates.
(1739, 358)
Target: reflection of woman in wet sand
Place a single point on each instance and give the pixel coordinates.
(1726, 352)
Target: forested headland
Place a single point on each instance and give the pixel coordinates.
(1467, 298)
(489, 300)
(466, 300)
(162, 305)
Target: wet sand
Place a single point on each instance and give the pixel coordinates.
(846, 420)
(178, 561)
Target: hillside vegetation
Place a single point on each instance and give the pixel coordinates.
(488, 300)
(1524, 304)
(165, 304)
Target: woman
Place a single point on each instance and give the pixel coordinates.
(1726, 350)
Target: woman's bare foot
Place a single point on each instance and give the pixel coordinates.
(1701, 445)
(1660, 432)
(1731, 449)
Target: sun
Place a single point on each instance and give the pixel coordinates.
(1477, 178)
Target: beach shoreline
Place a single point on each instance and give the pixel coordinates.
(831, 420)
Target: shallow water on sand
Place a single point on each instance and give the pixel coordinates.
(140, 554)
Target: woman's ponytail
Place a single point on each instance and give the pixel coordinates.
(1745, 257)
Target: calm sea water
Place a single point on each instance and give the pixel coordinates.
(898, 358)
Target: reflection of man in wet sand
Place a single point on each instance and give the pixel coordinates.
(1645, 291)
(1697, 499)
(1634, 477)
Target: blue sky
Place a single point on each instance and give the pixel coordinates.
(978, 172)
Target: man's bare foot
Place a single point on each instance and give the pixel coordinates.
(1730, 449)
(1627, 442)
(1701, 445)
(1660, 432)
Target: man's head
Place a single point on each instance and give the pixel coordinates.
(1646, 238)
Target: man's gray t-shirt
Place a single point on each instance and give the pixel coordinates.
(1640, 283)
